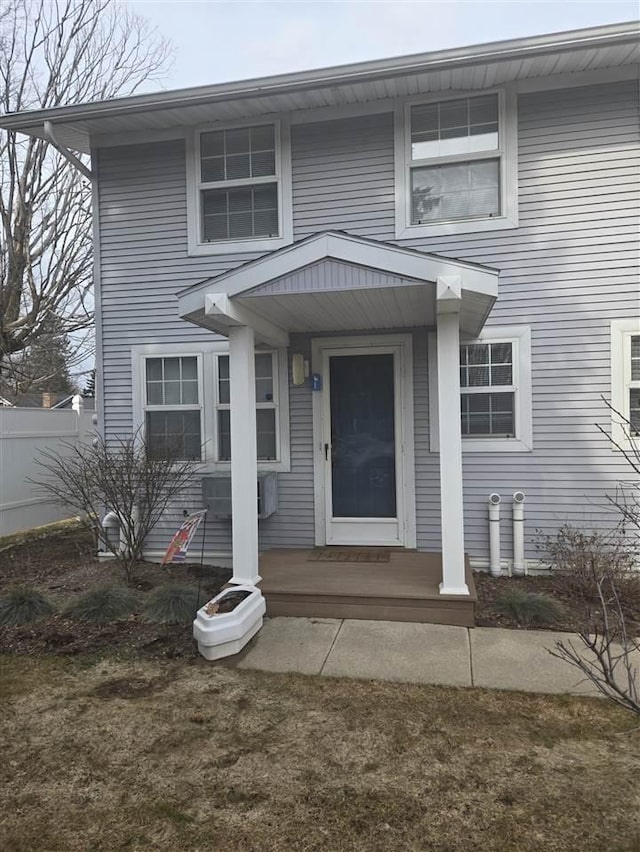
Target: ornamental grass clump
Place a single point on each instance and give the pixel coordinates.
(172, 604)
(103, 605)
(528, 608)
(23, 605)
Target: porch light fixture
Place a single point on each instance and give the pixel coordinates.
(299, 369)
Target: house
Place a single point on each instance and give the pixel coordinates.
(399, 286)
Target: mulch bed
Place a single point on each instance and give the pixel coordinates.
(490, 588)
(63, 565)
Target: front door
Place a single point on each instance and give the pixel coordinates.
(361, 446)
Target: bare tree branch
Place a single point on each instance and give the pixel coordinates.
(55, 52)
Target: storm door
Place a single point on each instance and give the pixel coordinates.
(361, 446)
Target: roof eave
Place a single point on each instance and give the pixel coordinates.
(509, 50)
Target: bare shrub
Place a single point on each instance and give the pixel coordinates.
(123, 476)
(601, 572)
(586, 565)
(607, 654)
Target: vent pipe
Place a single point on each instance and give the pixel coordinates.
(519, 567)
(494, 535)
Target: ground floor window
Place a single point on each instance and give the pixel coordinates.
(625, 379)
(495, 391)
(182, 402)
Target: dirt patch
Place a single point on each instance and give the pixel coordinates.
(131, 687)
(203, 756)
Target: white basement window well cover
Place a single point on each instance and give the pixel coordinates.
(455, 165)
(239, 189)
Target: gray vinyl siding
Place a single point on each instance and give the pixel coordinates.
(568, 269)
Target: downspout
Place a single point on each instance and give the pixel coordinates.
(66, 153)
(494, 535)
(519, 567)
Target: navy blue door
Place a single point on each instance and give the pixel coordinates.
(363, 462)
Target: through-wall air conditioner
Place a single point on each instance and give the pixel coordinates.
(216, 493)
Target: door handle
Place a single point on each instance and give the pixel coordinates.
(326, 452)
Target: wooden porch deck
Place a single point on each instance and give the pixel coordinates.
(365, 582)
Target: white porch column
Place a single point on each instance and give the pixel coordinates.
(244, 454)
(449, 292)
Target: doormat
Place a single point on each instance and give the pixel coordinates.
(326, 555)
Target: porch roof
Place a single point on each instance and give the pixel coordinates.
(335, 281)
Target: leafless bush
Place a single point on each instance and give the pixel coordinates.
(583, 564)
(121, 476)
(600, 571)
(608, 656)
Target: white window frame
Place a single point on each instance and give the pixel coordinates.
(207, 354)
(196, 245)
(274, 405)
(520, 339)
(506, 152)
(621, 383)
(199, 406)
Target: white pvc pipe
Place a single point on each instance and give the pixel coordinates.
(494, 535)
(519, 567)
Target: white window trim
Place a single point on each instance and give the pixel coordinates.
(520, 338)
(507, 153)
(199, 406)
(273, 405)
(207, 384)
(283, 178)
(621, 333)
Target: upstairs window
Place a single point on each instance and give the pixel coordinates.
(455, 166)
(240, 167)
(240, 190)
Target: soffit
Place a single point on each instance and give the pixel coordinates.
(461, 69)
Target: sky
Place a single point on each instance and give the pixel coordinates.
(217, 40)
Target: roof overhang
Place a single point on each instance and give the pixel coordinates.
(337, 282)
(463, 68)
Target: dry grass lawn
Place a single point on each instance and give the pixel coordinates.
(113, 754)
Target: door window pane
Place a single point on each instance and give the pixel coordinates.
(363, 467)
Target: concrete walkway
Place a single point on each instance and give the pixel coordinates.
(414, 653)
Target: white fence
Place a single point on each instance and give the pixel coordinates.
(24, 432)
